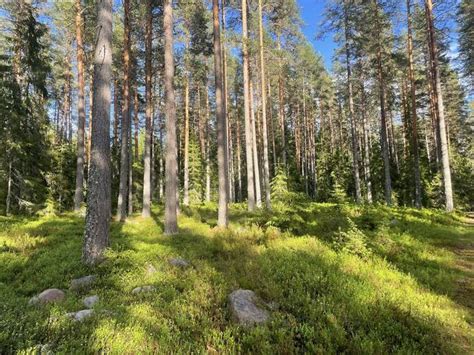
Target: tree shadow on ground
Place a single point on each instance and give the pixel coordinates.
(322, 306)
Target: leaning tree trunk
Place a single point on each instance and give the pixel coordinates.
(222, 162)
(81, 117)
(96, 236)
(147, 165)
(124, 154)
(445, 164)
(248, 127)
(171, 181)
(266, 164)
(416, 154)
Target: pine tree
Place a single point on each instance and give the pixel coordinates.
(96, 236)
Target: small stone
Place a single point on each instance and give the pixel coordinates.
(150, 269)
(90, 301)
(48, 296)
(143, 289)
(244, 309)
(82, 283)
(179, 262)
(80, 315)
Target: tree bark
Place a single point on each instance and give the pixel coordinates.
(225, 96)
(368, 175)
(89, 128)
(258, 193)
(81, 117)
(355, 146)
(281, 109)
(171, 204)
(416, 154)
(248, 126)
(147, 161)
(383, 114)
(186, 140)
(130, 173)
(208, 149)
(124, 154)
(116, 113)
(222, 160)
(263, 85)
(96, 236)
(445, 164)
(239, 162)
(135, 121)
(9, 188)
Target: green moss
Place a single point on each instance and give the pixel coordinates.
(403, 296)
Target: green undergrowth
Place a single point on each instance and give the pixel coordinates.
(340, 278)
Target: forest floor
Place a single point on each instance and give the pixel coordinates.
(340, 278)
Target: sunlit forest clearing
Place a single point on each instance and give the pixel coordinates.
(236, 177)
(345, 278)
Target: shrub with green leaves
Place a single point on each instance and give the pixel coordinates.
(352, 240)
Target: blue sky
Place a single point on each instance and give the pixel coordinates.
(312, 14)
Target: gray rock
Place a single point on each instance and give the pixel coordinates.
(83, 283)
(244, 309)
(48, 296)
(141, 289)
(80, 315)
(394, 222)
(179, 262)
(90, 301)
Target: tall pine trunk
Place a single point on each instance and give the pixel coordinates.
(81, 117)
(258, 193)
(135, 121)
(445, 164)
(414, 130)
(248, 126)
(116, 113)
(365, 127)
(186, 140)
(171, 181)
(208, 149)
(383, 113)
(222, 162)
(263, 86)
(124, 153)
(354, 139)
(96, 236)
(147, 158)
(281, 109)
